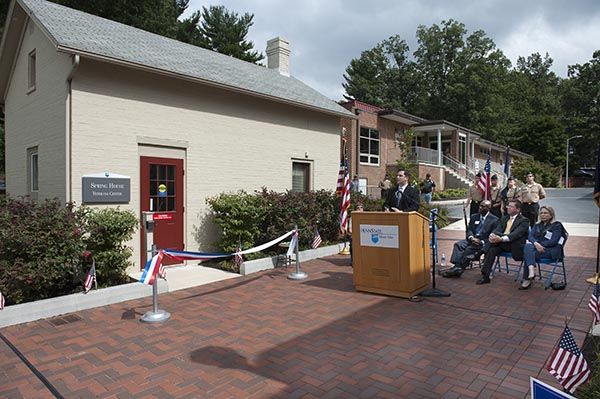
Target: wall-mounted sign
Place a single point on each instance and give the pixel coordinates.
(373, 235)
(105, 188)
(162, 216)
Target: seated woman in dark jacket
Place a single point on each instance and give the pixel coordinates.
(544, 240)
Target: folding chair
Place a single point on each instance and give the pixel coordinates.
(554, 263)
(507, 257)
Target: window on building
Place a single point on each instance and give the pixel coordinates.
(300, 177)
(31, 76)
(369, 146)
(462, 148)
(417, 141)
(484, 150)
(32, 170)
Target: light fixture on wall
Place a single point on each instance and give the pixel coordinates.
(305, 154)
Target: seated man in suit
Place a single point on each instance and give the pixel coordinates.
(404, 198)
(480, 226)
(509, 236)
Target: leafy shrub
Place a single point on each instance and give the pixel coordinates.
(545, 174)
(258, 218)
(449, 193)
(107, 232)
(41, 247)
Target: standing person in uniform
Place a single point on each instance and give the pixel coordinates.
(495, 197)
(530, 195)
(404, 198)
(427, 187)
(474, 197)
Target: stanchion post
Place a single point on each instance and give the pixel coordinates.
(156, 315)
(298, 274)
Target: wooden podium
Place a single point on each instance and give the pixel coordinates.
(391, 253)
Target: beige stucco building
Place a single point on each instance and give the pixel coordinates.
(85, 96)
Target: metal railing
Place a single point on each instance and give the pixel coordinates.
(422, 154)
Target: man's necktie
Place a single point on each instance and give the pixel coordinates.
(398, 196)
(478, 230)
(508, 226)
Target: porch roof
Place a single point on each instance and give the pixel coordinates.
(399, 116)
(427, 126)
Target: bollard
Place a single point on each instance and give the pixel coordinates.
(298, 274)
(156, 315)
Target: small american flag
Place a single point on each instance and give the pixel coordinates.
(162, 272)
(484, 181)
(594, 304)
(238, 259)
(316, 240)
(567, 363)
(90, 278)
(1, 301)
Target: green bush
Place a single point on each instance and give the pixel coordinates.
(449, 193)
(545, 174)
(41, 247)
(108, 230)
(260, 217)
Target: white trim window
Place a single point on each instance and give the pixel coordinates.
(369, 146)
(300, 177)
(31, 72)
(32, 170)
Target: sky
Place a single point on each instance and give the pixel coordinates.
(325, 35)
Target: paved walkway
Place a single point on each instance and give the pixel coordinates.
(263, 336)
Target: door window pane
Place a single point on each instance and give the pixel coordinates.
(162, 188)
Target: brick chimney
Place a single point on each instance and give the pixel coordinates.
(278, 55)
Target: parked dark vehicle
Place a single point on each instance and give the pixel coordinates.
(584, 172)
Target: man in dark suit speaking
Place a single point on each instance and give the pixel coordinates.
(480, 226)
(509, 236)
(404, 198)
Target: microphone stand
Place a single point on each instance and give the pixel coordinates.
(433, 292)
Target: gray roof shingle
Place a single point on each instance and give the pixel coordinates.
(81, 33)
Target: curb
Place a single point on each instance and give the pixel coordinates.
(258, 265)
(45, 308)
(449, 202)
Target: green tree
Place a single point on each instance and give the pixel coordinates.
(156, 16)
(225, 32)
(542, 136)
(580, 95)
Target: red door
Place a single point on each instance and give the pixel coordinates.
(161, 191)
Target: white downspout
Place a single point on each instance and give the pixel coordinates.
(69, 127)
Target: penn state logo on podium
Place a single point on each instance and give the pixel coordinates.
(374, 238)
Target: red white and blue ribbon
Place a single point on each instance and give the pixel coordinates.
(151, 269)
(155, 264)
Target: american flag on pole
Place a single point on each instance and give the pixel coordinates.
(90, 278)
(344, 219)
(339, 189)
(238, 259)
(484, 181)
(594, 304)
(1, 301)
(567, 363)
(316, 239)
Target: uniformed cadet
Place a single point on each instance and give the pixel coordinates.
(474, 197)
(495, 197)
(530, 195)
(510, 192)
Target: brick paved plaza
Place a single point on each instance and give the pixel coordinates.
(263, 336)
